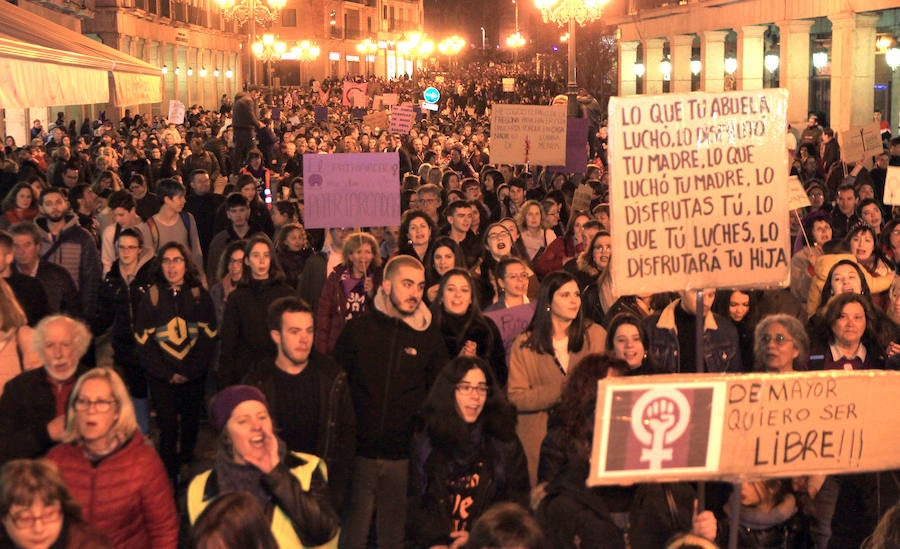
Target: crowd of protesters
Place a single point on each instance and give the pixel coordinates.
(156, 277)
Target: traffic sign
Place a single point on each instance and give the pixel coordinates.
(432, 95)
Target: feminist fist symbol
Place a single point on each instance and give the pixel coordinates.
(659, 418)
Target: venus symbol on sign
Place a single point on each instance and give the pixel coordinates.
(658, 419)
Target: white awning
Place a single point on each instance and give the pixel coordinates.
(46, 64)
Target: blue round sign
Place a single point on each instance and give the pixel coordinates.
(432, 95)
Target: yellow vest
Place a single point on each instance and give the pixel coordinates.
(281, 526)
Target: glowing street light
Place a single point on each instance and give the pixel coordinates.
(262, 12)
(570, 12)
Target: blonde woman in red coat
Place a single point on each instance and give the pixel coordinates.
(111, 470)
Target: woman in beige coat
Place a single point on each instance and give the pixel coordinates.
(557, 338)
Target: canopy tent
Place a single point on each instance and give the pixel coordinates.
(46, 64)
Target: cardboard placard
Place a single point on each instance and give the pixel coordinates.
(351, 190)
(376, 120)
(861, 142)
(528, 134)
(892, 186)
(402, 118)
(511, 322)
(743, 427)
(391, 99)
(698, 191)
(176, 112)
(798, 197)
(509, 84)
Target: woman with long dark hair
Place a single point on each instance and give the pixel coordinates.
(444, 255)
(466, 331)
(465, 455)
(417, 231)
(557, 338)
(245, 336)
(174, 325)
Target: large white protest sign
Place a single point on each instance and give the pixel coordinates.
(522, 134)
(743, 427)
(351, 190)
(698, 191)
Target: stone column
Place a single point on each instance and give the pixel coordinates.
(680, 48)
(653, 56)
(712, 55)
(181, 62)
(750, 53)
(627, 59)
(793, 68)
(852, 69)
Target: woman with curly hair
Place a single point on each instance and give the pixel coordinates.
(465, 455)
(569, 509)
(417, 231)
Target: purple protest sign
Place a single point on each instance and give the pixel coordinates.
(321, 113)
(351, 190)
(511, 322)
(576, 146)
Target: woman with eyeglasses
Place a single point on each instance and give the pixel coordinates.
(120, 295)
(111, 470)
(38, 511)
(174, 326)
(465, 455)
(542, 357)
(781, 344)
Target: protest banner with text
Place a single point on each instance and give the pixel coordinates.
(861, 142)
(698, 191)
(744, 427)
(528, 134)
(351, 190)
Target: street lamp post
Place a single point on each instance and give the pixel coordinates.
(569, 12)
(268, 50)
(451, 47)
(263, 12)
(305, 52)
(367, 48)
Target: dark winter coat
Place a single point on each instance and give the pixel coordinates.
(336, 439)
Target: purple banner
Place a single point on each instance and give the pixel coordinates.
(351, 190)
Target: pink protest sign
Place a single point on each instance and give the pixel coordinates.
(351, 190)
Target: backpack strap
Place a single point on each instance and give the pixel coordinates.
(154, 232)
(186, 219)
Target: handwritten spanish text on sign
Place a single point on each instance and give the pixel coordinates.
(176, 112)
(698, 191)
(351, 190)
(745, 427)
(402, 118)
(523, 134)
(861, 142)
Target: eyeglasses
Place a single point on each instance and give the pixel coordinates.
(778, 339)
(468, 389)
(100, 405)
(172, 260)
(498, 236)
(236, 261)
(128, 248)
(517, 276)
(27, 520)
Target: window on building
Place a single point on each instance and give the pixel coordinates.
(289, 18)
